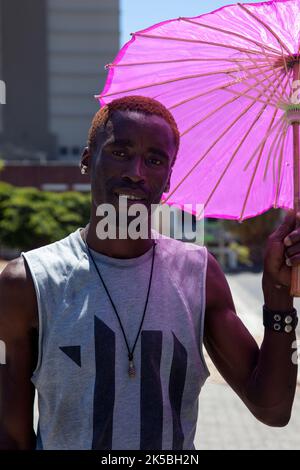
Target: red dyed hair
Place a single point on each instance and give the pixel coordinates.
(141, 104)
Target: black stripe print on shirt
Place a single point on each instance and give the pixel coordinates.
(176, 386)
(151, 391)
(104, 392)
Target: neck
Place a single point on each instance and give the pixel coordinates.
(116, 248)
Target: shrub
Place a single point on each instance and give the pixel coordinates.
(30, 218)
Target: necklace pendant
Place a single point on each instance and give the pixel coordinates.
(131, 370)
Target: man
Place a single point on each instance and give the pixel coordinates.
(110, 331)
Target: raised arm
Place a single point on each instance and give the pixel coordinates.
(265, 378)
(18, 336)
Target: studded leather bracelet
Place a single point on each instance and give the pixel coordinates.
(281, 322)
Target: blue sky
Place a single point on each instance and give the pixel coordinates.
(139, 14)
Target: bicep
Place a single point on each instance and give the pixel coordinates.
(18, 337)
(227, 340)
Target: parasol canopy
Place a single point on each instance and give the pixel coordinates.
(231, 79)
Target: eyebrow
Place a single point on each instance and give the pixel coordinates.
(129, 143)
(125, 142)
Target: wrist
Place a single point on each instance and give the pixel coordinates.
(275, 298)
(280, 322)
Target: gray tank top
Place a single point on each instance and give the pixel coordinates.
(86, 398)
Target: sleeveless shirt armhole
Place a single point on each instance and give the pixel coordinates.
(206, 370)
(40, 322)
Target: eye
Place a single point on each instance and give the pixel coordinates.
(119, 153)
(155, 161)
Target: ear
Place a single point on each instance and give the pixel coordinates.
(85, 160)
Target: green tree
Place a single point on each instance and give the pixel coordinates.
(30, 218)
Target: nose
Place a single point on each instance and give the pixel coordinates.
(134, 170)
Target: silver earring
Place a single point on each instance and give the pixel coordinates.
(84, 169)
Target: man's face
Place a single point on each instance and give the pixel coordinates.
(134, 157)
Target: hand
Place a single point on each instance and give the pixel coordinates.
(283, 251)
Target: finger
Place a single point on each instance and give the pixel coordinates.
(294, 236)
(287, 226)
(293, 261)
(293, 250)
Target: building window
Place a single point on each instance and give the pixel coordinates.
(63, 150)
(54, 187)
(76, 150)
(82, 187)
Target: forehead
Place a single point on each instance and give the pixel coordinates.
(140, 127)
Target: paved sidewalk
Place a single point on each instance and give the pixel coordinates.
(226, 424)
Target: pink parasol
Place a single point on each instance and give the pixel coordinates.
(231, 78)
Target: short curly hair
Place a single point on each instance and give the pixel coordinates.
(141, 104)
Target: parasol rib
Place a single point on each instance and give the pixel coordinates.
(187, 100)
(272, 84)
(266, 26)
(211, 113)
(231, 33)
(277, 135)
(160, 62)
(284, 60)
(267, 77)
(256, 119)
(278, 186)
(278, 147)
(269, 127)
(203, 94)
(269, 131)
(208, 150)
(283, 127)
(253, 98)
(199, 41)
(278, 78)
(173, 80)
(281, 50)
(251, 184)
(264, 139)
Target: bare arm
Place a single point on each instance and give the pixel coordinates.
(18, 331)
(265, 378)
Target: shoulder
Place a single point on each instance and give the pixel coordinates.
(173, 248)
(58, 256)
(14, 275)
(17, 294)
(214, 270)
(51, 265)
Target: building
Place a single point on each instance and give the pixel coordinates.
(52, 58)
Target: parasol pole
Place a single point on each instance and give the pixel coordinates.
(295, 282)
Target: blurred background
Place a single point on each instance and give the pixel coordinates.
(52, 58)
